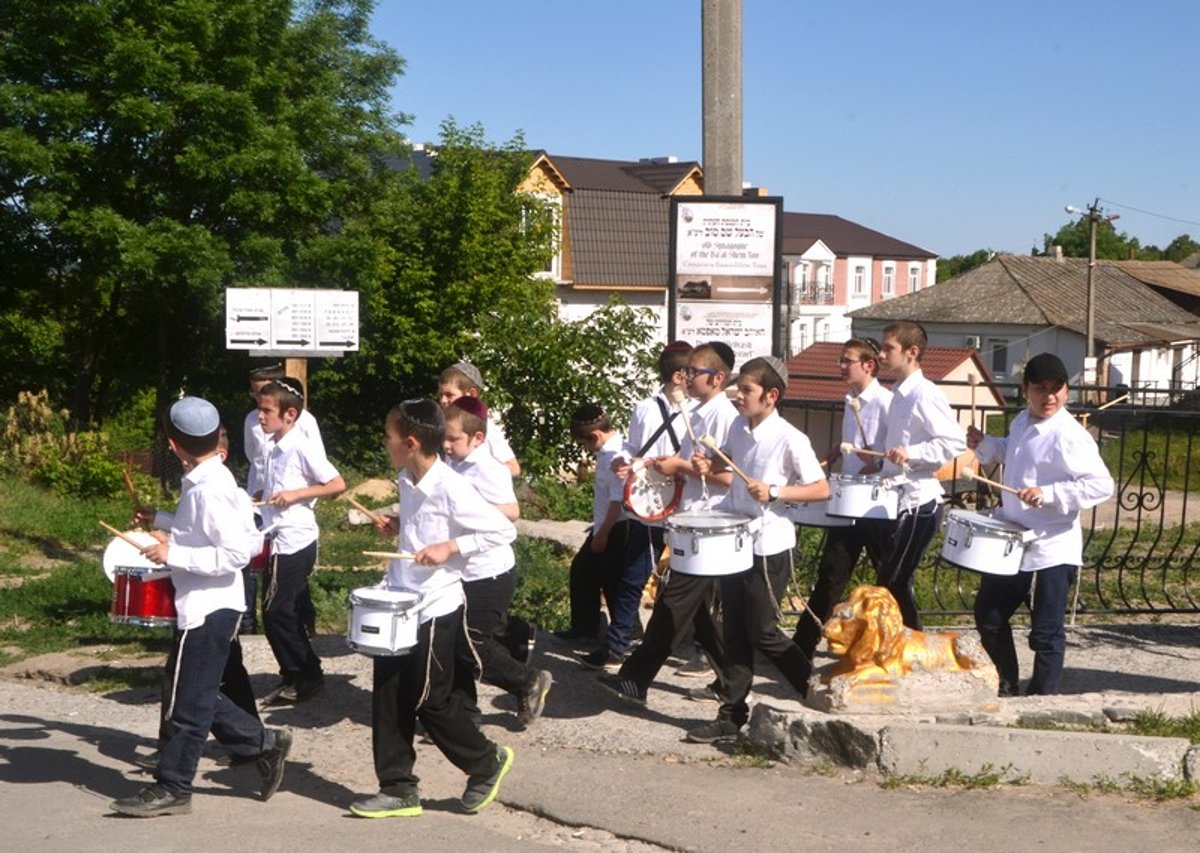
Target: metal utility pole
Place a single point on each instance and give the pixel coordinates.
(721, 49)
(1093, 217)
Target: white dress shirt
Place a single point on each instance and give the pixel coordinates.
(920, 420)
(1057, 455)
(294, 462)
(254, 441)
(211, 538)
(713, 418)
(442, 507)
(497, 442)
(873, 402)
(647, 418)
(778, 454)
(608, 487)
(494, 482)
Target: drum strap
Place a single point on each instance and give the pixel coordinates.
(665, 425)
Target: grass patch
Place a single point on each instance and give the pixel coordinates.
(1158, 790)
(987, 777)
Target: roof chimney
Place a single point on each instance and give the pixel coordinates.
(1058, 255)
(660, 161)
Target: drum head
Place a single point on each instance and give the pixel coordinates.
(711, 520)
(385, 597)
(121, 553)
(984, 521)
(650, 494)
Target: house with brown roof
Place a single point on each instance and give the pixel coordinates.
(1014, 307)
(614, 226)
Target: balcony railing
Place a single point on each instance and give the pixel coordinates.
(813, 295)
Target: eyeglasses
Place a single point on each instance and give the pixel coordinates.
(693, 372)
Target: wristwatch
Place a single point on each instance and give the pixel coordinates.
(772, 493)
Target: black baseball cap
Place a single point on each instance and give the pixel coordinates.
(1043, 367)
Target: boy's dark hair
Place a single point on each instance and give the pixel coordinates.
(422, 420)
(706, 355)
(908, 334)
(761, 372)
(267, 372)
(865, 350)
(587, 419)
(470, 413)
(672, 359)
(194, 445)
(287, 391)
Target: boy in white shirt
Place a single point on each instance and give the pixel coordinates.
(779, 461)
(858, 366)
(443, 522)
(211, 537)
(490, 577)
(687, 600)
(1056, 467)
(597, 565)
(463, 379)
(921, 436)
(297, 474)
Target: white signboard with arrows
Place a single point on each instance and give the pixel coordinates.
(291, 320)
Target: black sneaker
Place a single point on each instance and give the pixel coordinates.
(696, 667)
(147, 760)
(718, 731)
(623, 688)
(152, 801)
(309, 687)
(385, 805)
(531, 705)
(282, 694)
(707, 693)
(602, 658)
(481, 790)
(271, 763)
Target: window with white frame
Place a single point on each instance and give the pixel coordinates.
(889, 280)
(914, 279)
(803, 275)
(823, 330)
(553, 267)
(860, 280)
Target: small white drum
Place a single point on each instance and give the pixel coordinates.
(862, 496)
(383, 621)
(984, 544)
(813, 514)
(650, 494)
(710, 543)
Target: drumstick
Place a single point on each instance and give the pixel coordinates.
(1112, 403)
(707, 441)
(127, 539)
(132, 491)
(678, 397)
(848, 448)
(391, 555)
(970, 474)
(856, 406)
(375, 517)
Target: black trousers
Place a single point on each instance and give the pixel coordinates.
(197, 706)
(593, 574)
(843, 547)
(750, 610)
(684, 602)
(488, 601)
(285, 607)
(910, 537)
(235, 684)
(422, 684)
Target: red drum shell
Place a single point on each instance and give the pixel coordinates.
(143, 597)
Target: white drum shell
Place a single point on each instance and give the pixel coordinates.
(382, 621)
(813, 514)
(710, 543)
(862, 496)
(983, 544)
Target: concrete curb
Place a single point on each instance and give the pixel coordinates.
(980, 745)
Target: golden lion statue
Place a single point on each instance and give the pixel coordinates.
(868, 634)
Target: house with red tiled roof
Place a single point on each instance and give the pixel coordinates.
(813, 377)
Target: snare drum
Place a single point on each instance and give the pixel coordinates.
(261, 561)
(813, 514)
(382, 621)
(143, 596)
(862, 496)
(710, 543)
(984, 544)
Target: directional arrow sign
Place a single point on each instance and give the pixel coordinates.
(292, 320)
(337, 320)
(247, 317)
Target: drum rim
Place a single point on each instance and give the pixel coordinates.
(668, 509)
(409, 600)
(997, 525)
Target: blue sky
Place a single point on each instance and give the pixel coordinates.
(952, 124)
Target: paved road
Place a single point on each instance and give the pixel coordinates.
(591, 776)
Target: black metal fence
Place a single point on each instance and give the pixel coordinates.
(1141, 548)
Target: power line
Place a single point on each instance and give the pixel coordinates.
(1150, 212)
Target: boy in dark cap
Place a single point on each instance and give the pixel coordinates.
(1056, 468)
(211, 537)
(463, 379)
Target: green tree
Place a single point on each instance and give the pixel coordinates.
(1074, 237)
(958, 264)
(1180, 248)
(154, 153)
